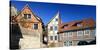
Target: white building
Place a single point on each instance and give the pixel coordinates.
(52, 28)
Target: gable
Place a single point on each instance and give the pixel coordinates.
(54, 20)
(27, 10)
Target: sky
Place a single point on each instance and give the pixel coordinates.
(68, 12)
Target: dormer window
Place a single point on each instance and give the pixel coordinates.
(27, 16)
(65, 26)
(79, 25)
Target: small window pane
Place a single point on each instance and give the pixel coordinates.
(51, 37)
(29, 16)
(79, 25)
(68, 43)
(65, 43)
(79, 33)
(25, 16)
(55, 28)
(70, 34)
(56, 19)
(35, 26)
(86, 32)
(51, 28)
(55, 37)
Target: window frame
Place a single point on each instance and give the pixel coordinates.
(51, 37)
(29, 16)
(70, 34)
(80, 34)
(35, 24)
(55, 28)
(56, 37)
(51, 28)
(86, 31)
(56, 19)
(26, 16)
(68, 43)
(79, 25)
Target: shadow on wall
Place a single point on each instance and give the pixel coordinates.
(15, 35)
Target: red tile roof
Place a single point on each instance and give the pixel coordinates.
(76, 25)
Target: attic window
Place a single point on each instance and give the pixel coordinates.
(51, 37)
(78, 24)
(27, 16)
(65, 26)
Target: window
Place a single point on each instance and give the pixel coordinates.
(65, 26)
(35, 26)
(51, 37)
(69, 34)
(66, 34)
(55, 28)
(56, 19)
(55, 37)
(86, 32)
(68, 43)
(79, 25)
(79, 33)
(27, 16)
(93, 32)
(65, 43)
(60, 37)
(51, 28)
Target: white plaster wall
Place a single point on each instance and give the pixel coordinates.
(53, 32)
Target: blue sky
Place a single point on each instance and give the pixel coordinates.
(68, 12)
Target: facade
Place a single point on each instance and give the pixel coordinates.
(72, 33)
(57, 34)
(52, 30)
(31, 28)
(27, 30)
